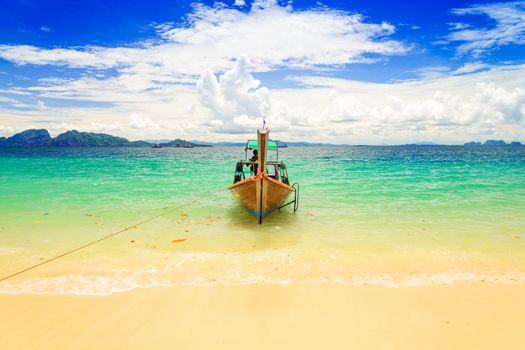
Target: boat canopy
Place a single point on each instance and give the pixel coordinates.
(253, 144)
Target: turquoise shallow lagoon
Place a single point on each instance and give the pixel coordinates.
(399, 216)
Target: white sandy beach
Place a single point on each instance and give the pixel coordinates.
(459, 316)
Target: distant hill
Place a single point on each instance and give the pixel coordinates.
(28, 138)
(74, 138)
(492, 143)
(495, 143)
(139, 144)
(183, 143)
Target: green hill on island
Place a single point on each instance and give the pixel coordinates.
(27, 138)
(74, 138)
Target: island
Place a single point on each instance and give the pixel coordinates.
(27, 138)
(490, 143)
(473, 144)
(74, 138)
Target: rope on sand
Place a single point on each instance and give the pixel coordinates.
(208, 194)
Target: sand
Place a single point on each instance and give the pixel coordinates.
(460, 316)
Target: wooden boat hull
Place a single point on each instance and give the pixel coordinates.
(261, 194)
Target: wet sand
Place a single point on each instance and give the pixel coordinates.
(263, 316)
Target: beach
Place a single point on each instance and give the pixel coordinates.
(391, 248)
(262, 316)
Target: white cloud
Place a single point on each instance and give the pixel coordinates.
(155, 79)
(436, 72)
(58, 128)
(271, 36)
(15, 91)
(237, 104)
(6, 130)
(235, 94)
(458, 25)
(93, 57)
(40, 105)
(183, 85)
(470, 67)
(98, 127)
(104, 128)
(7, 100)
(509, 27)
(138, 122)
(45, 29)
(432, 72)
(448, 109)
(239, 3)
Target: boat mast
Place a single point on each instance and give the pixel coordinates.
(261, 187)
(262, 141)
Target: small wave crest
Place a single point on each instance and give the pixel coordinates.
(125, 280)
(78, 284)
(214, 269)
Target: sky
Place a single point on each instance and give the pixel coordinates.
(352, 72)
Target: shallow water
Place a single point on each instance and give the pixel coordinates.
(398, 216)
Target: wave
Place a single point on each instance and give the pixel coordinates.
(104, 284)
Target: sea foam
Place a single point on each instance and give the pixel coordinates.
(123, 281)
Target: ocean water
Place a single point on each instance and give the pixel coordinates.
(394, 216)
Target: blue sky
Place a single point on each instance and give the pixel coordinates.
(372, 68)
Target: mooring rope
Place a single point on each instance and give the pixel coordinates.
(112, 234)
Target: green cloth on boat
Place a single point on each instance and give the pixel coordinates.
(254, 144)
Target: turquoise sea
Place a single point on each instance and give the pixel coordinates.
(396, 216)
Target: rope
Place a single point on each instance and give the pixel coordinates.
(110, 235)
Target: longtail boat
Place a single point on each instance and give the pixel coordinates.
(268, 186)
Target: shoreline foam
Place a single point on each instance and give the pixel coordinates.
(99, 284)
